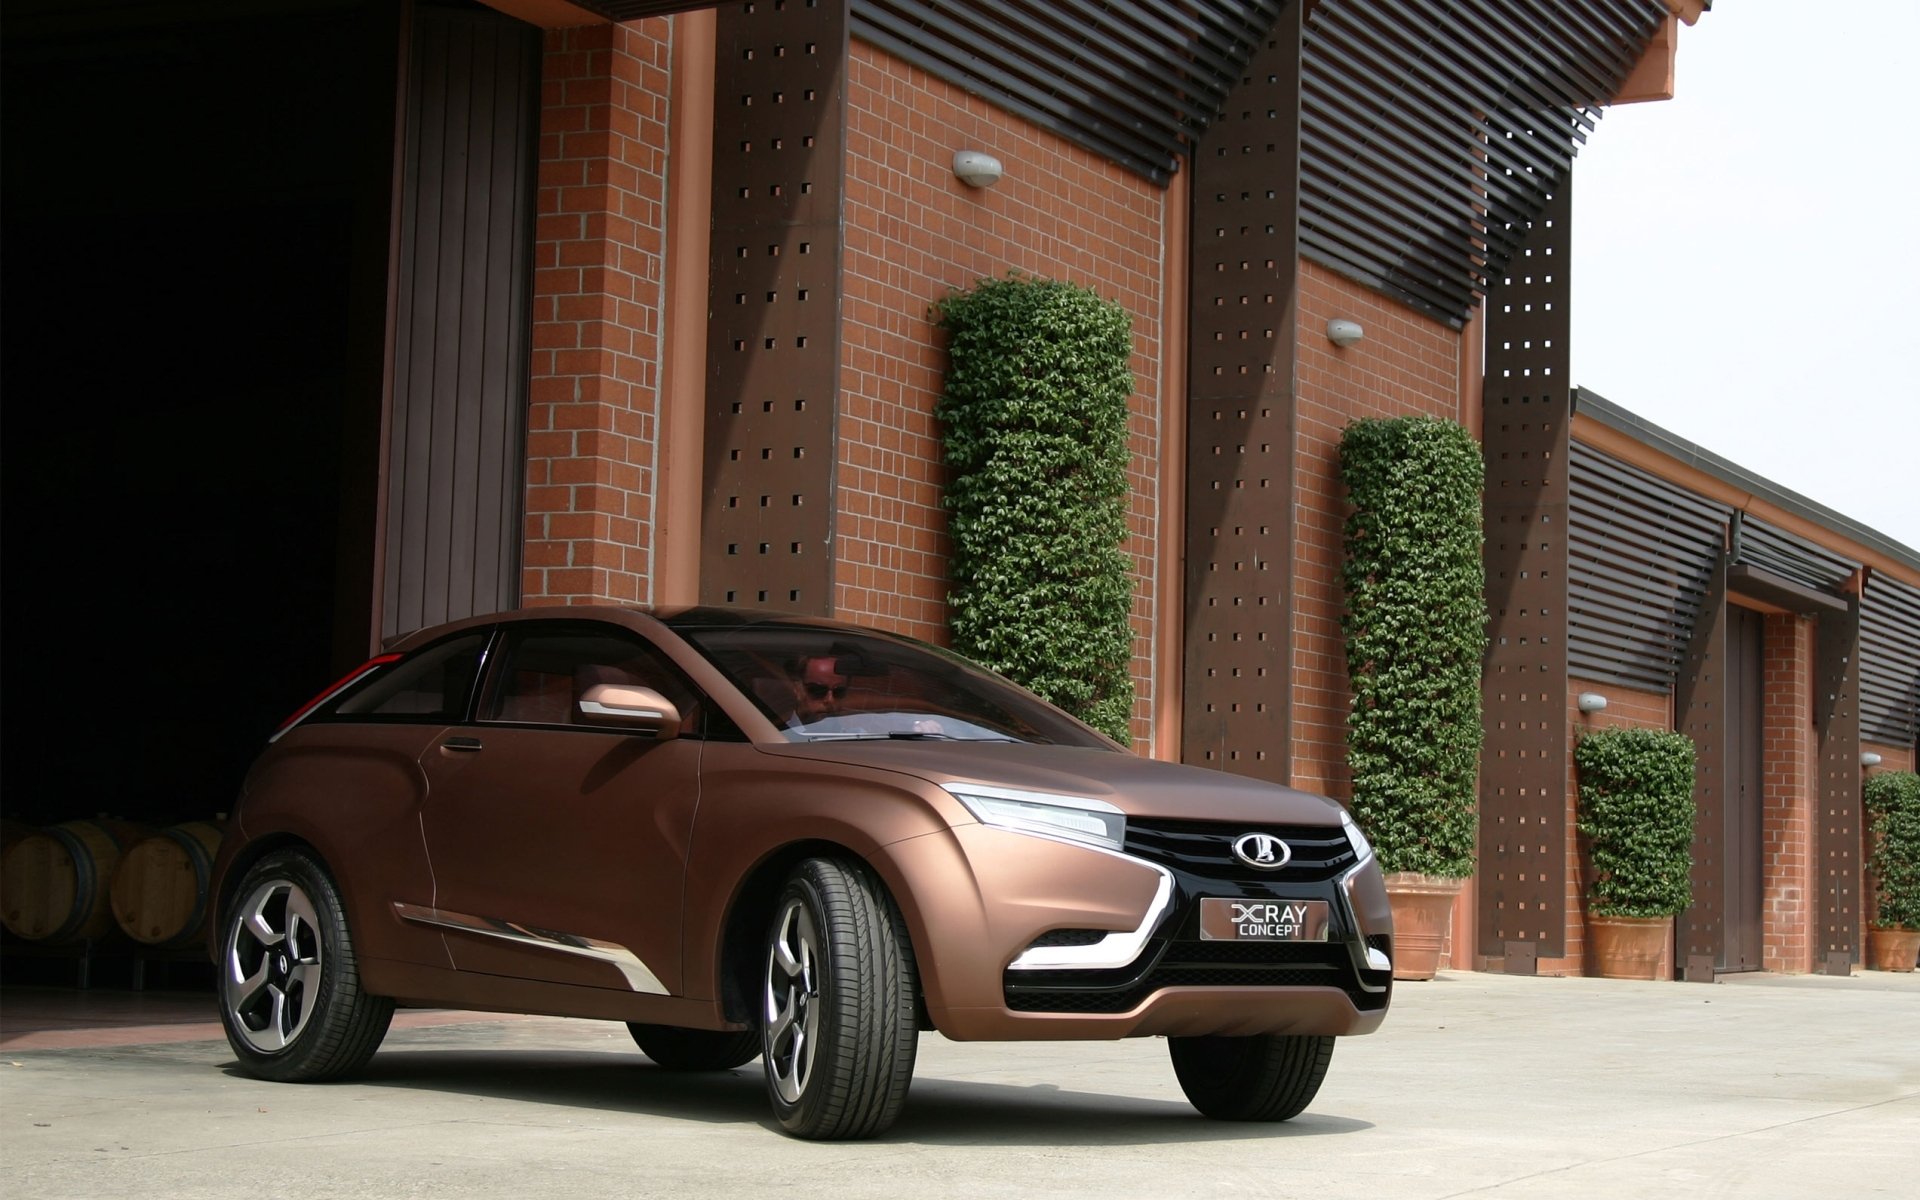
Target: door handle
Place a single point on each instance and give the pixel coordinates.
(461, 743)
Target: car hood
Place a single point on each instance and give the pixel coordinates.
(1139, 787)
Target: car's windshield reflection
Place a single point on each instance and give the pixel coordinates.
(825, 683)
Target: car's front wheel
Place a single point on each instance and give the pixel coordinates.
(1268, 1077)
(837, 1004)
(290, 995)
(679, 1049)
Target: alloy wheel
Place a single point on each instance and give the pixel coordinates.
(792, 1001)
(273, 966)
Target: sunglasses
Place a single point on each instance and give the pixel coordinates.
(820, 691)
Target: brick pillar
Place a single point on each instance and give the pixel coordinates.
(598, 261)
(1787, 819)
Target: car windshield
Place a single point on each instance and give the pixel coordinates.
(823, 683)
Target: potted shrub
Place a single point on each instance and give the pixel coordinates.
(1415, 626)
(1635, 813)
(1893, 860)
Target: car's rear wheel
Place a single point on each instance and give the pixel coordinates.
(679, 1049)
(1269, 1077)
(837, 1004)
(290, 995)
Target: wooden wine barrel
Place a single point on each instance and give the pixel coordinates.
(160, 890)
(54, 881)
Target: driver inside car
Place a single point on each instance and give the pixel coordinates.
(818, 688)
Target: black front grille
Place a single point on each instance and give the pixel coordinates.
(1205, 849)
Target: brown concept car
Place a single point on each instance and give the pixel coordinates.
(752, 835)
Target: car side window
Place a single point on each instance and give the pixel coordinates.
(431, 684)
(539, 675)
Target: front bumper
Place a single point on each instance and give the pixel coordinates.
(1075, 970)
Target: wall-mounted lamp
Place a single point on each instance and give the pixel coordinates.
(1869, 759)
(976, 168)
(1591, 702)
(1342, 332)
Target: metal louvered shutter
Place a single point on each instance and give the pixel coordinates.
(1641, 561)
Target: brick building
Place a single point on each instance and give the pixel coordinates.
(349, 316)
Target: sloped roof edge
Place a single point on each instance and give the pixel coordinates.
(1597, 407)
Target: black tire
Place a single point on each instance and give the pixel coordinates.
(290, 995)
(1269, 1077)
(837, 1003)
(679, 1049)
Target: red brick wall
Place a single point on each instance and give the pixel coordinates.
(594, 408)
(1627, 708)
(1407, 364)
(1892, 758)
(914, 232)
(1787, 815)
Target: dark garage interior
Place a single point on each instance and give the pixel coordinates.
(195, 248)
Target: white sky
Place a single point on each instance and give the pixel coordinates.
(1746, 267)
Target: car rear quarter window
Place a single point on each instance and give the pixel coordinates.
(432, 684)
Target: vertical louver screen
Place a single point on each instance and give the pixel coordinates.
(1641, 559)
(1134, 82)
(1890, 662)
(465, 268)
(1433, 130)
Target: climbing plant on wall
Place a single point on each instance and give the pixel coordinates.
(1415, 627)
(1034, 419)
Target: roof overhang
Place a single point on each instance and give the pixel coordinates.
(1600, 423)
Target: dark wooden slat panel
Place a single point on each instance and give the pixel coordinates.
(458, 421)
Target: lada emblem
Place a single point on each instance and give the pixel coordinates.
(1262, 851)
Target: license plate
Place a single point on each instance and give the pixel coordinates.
(1263, 920)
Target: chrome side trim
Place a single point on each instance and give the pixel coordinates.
(636, 973)
(1117, 949)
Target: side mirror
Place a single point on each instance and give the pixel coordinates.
(635, 709)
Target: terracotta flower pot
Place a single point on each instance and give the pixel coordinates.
(1422, 913)
(1892, 949)
(1627, 947)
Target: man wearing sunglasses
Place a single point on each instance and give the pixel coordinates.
(818, 688)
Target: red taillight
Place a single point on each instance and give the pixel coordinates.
(374, 663)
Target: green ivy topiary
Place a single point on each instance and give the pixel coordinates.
(1893, 856)
(1636, 810)
(1034, 414)
(1415, 628)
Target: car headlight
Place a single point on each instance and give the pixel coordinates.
(1362, 849)
(1048, 814)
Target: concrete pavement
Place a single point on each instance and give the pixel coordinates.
(1478, 1085)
